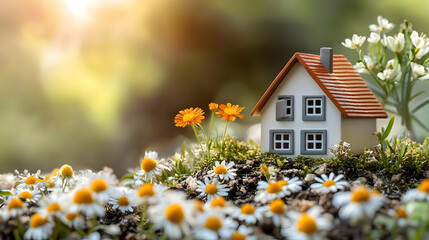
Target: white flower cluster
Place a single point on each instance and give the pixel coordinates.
(392, 71)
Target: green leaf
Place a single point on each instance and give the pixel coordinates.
(420, 123)
(423, 103)
(386, 132)
(127, 176)
(5, 193)
(416, 95)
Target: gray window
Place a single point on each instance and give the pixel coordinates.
(313, 142)
(282, 141)
(313, 108)
(284, 108)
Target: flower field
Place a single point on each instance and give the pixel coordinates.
(225, 189)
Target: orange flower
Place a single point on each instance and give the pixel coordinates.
(189, 116)
(229, 112)
(213, 106)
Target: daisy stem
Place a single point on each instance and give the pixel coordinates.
(205, 139)
(64, 184)
(210, 126)
(196, 134)
(224, 134)
(20, 228)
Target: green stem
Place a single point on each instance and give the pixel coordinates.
(224, 134)
(210, 126)
(198, 138)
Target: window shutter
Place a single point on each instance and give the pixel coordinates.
(280, 109)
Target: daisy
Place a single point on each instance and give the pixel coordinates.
(276, 211)
(212, 190)
(213, 226)
(223, 171)
(189, 116)
(419, 194)
(148, 193)
(83, 201)
(220, 205)
(331, 184)
(150, 167)
(248, 214)
(359, 203)
(124, 199)
(74, 220)
(307, 225)
(29, 195)
(242, 233)
(13, 207)
(65, 177)
(270, 191)
(100, 184)
(291, 184)
(31, 182)
(229, 112)
(400, 215)
(173, 214)
(52, 206)
(40, 228)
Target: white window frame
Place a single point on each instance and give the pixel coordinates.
(282, 141)
(305, 134)
(313, 116)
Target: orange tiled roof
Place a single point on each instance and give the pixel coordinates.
(344, 86)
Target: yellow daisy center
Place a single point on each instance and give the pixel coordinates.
(218, 202)
(72, 216)
(123, 201)
(247, 209)
(174, 213)
(99, 185)
(53, 207)
(360, 195)
(188, 117)
(30, 180)
(83, 196)
(220, 170)
(282, 183)
(146, 190)
(400, 213)
(306, 224)
(211, 189)
(230, 111)
(213, 223)
(148, 164)
(37, 220)
(277, 206)
(26, 194)
(238, 236)
(274, 187)
(328, 183)
(66, 170)
(199, 206)
(424, 186)
(51, 184)
(15, 203)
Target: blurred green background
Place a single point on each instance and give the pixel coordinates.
(95, 83)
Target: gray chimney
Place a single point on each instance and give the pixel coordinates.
(326, 57)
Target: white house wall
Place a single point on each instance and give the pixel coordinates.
(299, 83)
(359, 132)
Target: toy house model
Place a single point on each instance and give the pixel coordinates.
(315, 102)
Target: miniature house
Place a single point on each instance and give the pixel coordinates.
(313, 103)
